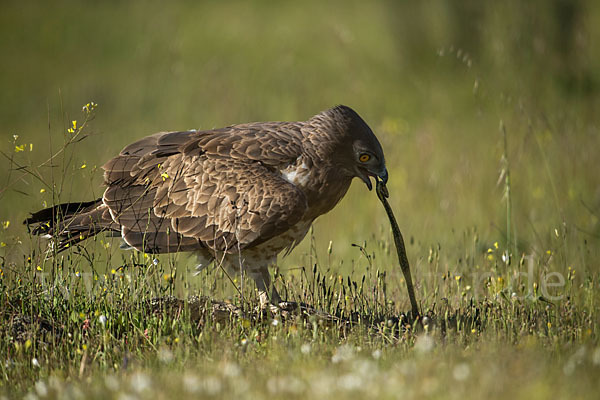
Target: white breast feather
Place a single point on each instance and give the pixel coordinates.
(296, 174)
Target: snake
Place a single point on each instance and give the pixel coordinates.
(383, 194)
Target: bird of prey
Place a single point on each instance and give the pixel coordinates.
(238, 195)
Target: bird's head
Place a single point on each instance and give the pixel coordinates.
(360, 153)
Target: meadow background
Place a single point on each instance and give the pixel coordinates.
(459, 93)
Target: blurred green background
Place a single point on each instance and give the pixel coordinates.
(433, 79)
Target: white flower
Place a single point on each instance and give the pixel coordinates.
(424, 344)
(343, 353)
(212, 385)
(231, 370)
(165, 355)
(461, 371)
(191, 383)
(305, 348)
(41, 389)
(140, 382)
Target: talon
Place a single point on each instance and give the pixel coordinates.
(288, 306)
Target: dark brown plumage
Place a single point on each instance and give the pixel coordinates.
(251, 189)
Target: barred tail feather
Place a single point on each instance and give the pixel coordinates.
(71, 223)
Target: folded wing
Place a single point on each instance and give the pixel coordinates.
(221, 190)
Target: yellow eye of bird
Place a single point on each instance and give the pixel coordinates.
(364, 157)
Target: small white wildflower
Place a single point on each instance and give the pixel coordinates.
(102, 319)
(350, 382)
(212, 385)
(155, 261)
(424, 344)
(322, 385)
(275, 322)
(343, 353)
(165, 355)
(461, 371)
(55, 383)
(191, 383)
(35, 362)
(140, 382)
(569, 367)
(41, 389)
(305, 348)
(231, 370)
(285, 384)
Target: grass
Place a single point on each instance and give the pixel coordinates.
(504, 256)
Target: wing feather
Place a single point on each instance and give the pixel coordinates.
(180, 191)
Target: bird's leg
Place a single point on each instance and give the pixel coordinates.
(274, 302)
(262, 278)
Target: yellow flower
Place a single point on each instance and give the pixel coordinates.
(164, 176)
(19, 148)
(496, 244)
(30, 146)
(83, 166)
(73, 128)
(39, 268)
(5, 224)
(42, 190)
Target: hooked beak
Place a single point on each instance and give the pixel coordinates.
(384, 176)
(366, 177)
